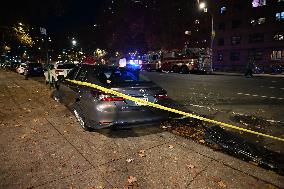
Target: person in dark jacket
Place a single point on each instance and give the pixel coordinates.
(249, 67)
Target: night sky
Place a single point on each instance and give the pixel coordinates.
(64, 19)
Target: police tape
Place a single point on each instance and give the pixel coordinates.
(113, 92)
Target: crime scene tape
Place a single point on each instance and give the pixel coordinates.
(113, 92)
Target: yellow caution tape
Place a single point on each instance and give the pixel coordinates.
(110, 91)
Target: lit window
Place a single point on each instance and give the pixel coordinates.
(261, 20)
(277, 55)
(278, 37)
(279, 16)
(253, 22)
(235, 40)
(223, 10)
(257, 21)
(258, 3)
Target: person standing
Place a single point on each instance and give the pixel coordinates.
(249, 67)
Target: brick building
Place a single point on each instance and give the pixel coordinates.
(247, 28)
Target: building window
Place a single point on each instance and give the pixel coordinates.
(234, 56)
(235, 40)
(255, 38)
(257, 21)
(279, 16)
(223, 10)
(258, 3)
(236, 23)
(220, 57)
(221, 26)
(221, 41)
(278, 37)
(277, 55)
(257, 55)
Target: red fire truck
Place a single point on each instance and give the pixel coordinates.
(191, 60)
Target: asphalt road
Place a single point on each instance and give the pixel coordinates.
(256, 103)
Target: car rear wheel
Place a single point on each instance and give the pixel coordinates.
(184, 70)
(81, 119)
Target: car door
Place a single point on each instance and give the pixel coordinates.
(66, 89)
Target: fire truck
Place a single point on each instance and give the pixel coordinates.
(190, 60)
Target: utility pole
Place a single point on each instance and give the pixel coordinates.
(43, 32)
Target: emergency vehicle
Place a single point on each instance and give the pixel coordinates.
(190, 60)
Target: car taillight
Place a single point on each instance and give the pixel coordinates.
(161, 96)
(58, 71)
(105, 97)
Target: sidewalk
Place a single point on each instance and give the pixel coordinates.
(43, 146)
(241, 74)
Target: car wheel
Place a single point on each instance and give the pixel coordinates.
(184, 70)
(175, 69)
(81, 120)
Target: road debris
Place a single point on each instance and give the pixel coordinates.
(129, 160)
(131, 183)
(141, 153)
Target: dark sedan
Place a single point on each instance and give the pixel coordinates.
(95, 109)
(33, 69)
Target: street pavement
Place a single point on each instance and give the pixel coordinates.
(255, 103)
(43, 146)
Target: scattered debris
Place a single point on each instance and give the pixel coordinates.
(130, 160)
(216, 179)
(190, 166)
(141, 153)
(221, 184)
(131, 183)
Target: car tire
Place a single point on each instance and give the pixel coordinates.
(81, 119)
(184, 70)
(175, 69)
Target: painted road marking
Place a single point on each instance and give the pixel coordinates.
(255, 95)
(271, 87)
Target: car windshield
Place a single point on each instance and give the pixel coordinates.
(66, 66)
(120, 76)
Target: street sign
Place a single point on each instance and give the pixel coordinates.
(43, 31)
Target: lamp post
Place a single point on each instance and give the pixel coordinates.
(202, 6)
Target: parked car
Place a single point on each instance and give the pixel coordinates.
(33, 69)
(21, 68)
(95, 109)
(14, 65)
(58, 71)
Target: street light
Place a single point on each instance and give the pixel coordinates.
(202, 6)
(74, 42)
